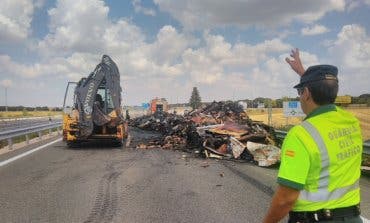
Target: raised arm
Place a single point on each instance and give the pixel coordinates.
(296, 63)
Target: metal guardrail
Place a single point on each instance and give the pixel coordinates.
(7, 124)
(281, 135)
(28, 118)
(9, 135)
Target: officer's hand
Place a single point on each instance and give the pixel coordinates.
(295, 64)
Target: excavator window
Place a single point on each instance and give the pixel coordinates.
(99, 100)
(69, 98)
(106, 100)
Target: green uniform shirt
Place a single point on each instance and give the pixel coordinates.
(322, 158)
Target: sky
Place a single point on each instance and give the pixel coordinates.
(229, 50)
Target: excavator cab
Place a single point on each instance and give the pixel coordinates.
(93, 111)
(104, 97)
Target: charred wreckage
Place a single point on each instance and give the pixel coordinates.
(220, 130)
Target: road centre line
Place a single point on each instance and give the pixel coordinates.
(5, 162)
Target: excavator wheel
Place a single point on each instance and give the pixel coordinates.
(73, 144)
(120, 143)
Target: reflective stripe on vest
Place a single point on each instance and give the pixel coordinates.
(323, 193)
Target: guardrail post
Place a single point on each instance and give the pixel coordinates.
(58, 131)
(40, 135)
(10, 143)
(27, 139)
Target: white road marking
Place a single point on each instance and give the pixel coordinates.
(3, 163)
(365, 220)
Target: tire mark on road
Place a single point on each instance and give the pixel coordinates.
(106, 200)
(158, 167)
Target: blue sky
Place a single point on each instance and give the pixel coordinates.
(228, 49)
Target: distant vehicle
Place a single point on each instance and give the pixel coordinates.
(343, 100)
(96, 111)
(158, 105)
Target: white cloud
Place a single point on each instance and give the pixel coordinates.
(175, 61)
(161, 57)
(140, 9)
(217, 59)
(352, 47)
(173, 58)
(217, 13)
(314, 30)
(15, 20)
(121, 37)
(169, 45)
(73, 67)
(273, 77)
(80, 32)
(353, 4)
(218, 67)
(241, 55)
(8, 66)
(84, 26)
(172, 54)
(351, 52)
(39, 3)
(75, 26)
(6, 83)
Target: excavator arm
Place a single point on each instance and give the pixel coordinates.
(106, 73)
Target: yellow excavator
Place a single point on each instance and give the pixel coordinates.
(92, 107)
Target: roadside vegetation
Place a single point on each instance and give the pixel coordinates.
(279, 121)
(25, 113)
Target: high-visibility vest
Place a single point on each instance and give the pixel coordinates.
(322, 157)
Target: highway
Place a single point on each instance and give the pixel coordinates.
(16, 123)
(100, 183)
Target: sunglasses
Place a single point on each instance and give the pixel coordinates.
(300, 91)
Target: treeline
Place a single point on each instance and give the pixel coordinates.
(23, 108)
(278, 103)
(265, 102)
(362, 99)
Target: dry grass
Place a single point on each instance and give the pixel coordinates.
(363, 114)
(21, 114)
(279, 121)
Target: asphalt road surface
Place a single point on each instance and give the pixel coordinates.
(100, 183)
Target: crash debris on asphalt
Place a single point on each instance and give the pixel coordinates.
(220, 130)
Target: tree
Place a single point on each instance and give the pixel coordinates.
(195, 100)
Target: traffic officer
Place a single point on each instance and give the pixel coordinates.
(318, 179)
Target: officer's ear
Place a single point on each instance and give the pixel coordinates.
(306, 94)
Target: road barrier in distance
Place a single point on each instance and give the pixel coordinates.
(11, 134)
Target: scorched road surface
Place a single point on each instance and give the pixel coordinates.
(99, 183)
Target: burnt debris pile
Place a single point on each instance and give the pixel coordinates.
(219, 130)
